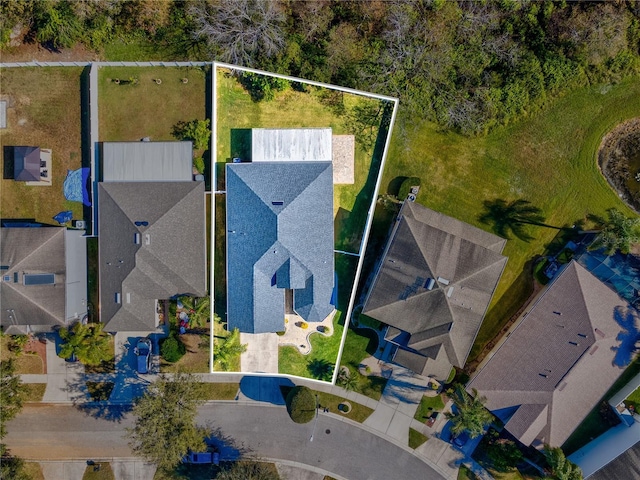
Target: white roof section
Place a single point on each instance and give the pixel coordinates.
(3, 114)
(147, 161)
(76, 261)
(291, 145)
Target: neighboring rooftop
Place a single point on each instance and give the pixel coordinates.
(560, 360)
(626, 466)
(279, 237)
(433, 286)
(291, 144)
(152, 246)
(146, 161)
(43, 277)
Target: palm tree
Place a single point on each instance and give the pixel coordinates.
(346, 379)
(225, 350)
(617, 233)
(89, 344)
(199, 309)
(561, 468)
(512, 217)
(471, 415)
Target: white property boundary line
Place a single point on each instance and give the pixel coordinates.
(367, 228)
(214, 148)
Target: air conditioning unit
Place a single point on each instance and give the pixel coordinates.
(81, 224)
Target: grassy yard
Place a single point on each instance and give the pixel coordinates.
(98, 471)
(220, 391)
(634, 399)
(220, 333)
(25, 363)
(416, 438)
(130, 112)
(358, 413)
(43, 111)
(35, 391)
(34, 470)
(548, 159)
(100, 391)
(195, 360)
(427, 406)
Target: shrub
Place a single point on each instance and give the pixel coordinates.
(405, 188)
(304, 325)
(262, 87)
(197, 131)
(281, 333)
(198, 164)
(172, 349)
(301, 404)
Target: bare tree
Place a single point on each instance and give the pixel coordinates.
(240, 31)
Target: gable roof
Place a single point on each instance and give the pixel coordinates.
(146, 161)
(26, 164)
(169, 258)
(279, 236)
(464, 264)
(28, 251)
(559, 362)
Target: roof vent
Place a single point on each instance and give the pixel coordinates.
(430, 283)
(278, 202)
(543, 375)
(582, 335)
(128, 297)
(574, 343)
(443, 281)
(600, 332)
(593, 350)
(118, 298)
(6, 278)
(141, 223)
(136, 239)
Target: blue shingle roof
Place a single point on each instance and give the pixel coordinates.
(279, 236)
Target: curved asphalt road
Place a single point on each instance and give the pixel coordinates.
(62, 432)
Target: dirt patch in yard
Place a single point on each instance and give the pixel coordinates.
(619, 161)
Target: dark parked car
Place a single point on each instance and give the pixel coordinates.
(461, 439)
(143, 354)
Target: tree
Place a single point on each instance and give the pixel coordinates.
(561, 468)
(12, 393)
(301, 404)
(165, 429)
(225, 350)
(12, 467)
(199, 309)
(241, 32)
(248, 470)
(56, 23)
(197, 131)
(89, 343)
(346, 379)
(471, 415)
(512, 217)
(618, 233)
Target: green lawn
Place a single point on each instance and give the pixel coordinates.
(129, 112)
(44, 110)
(416, 438)
(35, 391)
(634, 399)
(427, 406)
(359, 345)
(98, 471)
(358, 413)
(548, 159)
(100, 391)
(220, 391)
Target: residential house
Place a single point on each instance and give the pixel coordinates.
(432, 288)
(280, 241)
(558, 363)
(43, 280)
(151, 231)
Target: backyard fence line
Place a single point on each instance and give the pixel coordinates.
(36, 63)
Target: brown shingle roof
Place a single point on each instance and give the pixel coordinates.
(560, 356)
(464, 264)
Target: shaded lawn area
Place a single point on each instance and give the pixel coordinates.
(416, 438)
(427, 406)
(44, 110)
(359, 345)
(196, 358)
(129, 112)
(594, 425)
(358, 413)
(100, 391)
(548, 159)
(634, 399)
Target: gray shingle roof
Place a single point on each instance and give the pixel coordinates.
(558, 363)
(279, 236)
(32, 251)
(170, 258)
(465, 265)
(26, 164)
(146, 161)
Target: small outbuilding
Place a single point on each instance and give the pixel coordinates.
(26, 164)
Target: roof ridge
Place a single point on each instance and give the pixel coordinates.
(14, 267)
(473, 274)
(315, 180)
(37, 304)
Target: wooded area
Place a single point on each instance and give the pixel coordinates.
(468, 65)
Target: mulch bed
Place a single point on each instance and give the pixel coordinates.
(34, 345)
